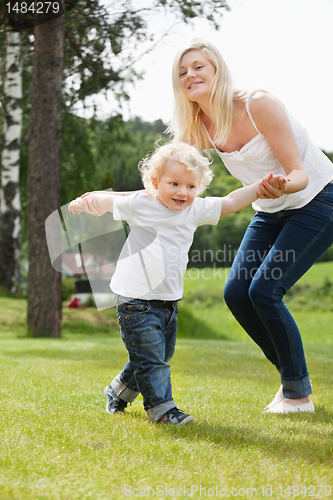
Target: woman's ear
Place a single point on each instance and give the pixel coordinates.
(154, 182)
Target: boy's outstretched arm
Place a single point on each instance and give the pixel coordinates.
(118, 193)
(94, 204)
(242, 197)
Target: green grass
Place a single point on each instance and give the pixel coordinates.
(57, 442)
(203, 312)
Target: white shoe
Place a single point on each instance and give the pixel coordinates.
(287, 408)
(278, 398)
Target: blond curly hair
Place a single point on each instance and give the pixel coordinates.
(153, 164)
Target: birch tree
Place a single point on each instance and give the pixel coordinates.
(9, 189)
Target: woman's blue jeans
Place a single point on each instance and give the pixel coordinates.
(149, 330)
(277, 249)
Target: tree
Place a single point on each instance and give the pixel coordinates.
(100, 46)
(44, 286)
(9, 186)
(103, 40)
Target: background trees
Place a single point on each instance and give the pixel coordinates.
(94, 47)
(101, 42)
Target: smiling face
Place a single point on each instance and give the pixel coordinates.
(177, 186)
(196, 74)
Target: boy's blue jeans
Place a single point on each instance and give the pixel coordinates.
(148, 329)
(276, 251)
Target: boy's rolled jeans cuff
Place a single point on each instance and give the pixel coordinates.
(158, 411)
(297, 388)
(122, 391)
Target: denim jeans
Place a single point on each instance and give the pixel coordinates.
(277, 249)
(148, 329)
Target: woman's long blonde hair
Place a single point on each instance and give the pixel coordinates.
(186, 125)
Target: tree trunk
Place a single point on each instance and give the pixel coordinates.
(10, 204)
(44, 284)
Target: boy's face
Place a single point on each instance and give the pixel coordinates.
(177, 187)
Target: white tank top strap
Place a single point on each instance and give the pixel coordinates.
(209, 137)
(247, 104)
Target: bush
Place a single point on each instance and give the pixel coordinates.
(19, 294)
(67, 288)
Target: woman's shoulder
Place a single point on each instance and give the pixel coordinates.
(266, 108)
(259, 101)
(262, 101)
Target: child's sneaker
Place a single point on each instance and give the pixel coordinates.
(113, 403)
(175, 416)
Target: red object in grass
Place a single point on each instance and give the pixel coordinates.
(74, 303)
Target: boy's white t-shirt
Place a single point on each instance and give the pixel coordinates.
(153, 260)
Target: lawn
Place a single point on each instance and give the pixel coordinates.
(57, 442)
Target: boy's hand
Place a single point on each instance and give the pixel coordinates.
(75, 206)
(88, 204)
(89, 193)
(273, 186)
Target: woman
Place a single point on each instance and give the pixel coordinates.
(254, 135)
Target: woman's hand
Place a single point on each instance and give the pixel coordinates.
(273, 186)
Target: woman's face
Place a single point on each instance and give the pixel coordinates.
(196, 74)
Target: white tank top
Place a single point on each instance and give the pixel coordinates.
(256, 159)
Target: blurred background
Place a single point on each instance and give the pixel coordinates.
(85, 95)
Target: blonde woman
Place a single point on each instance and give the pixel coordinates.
(254, 135)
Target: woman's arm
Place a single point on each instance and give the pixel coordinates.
(272, 120)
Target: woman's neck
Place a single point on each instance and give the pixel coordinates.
(206, 110)
(207, 114)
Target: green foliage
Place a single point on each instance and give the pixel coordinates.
(77, 160)
(104, 40)
(120, 158)
(99, 155)
(4, 292)
(329, 155)
(67, 288)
